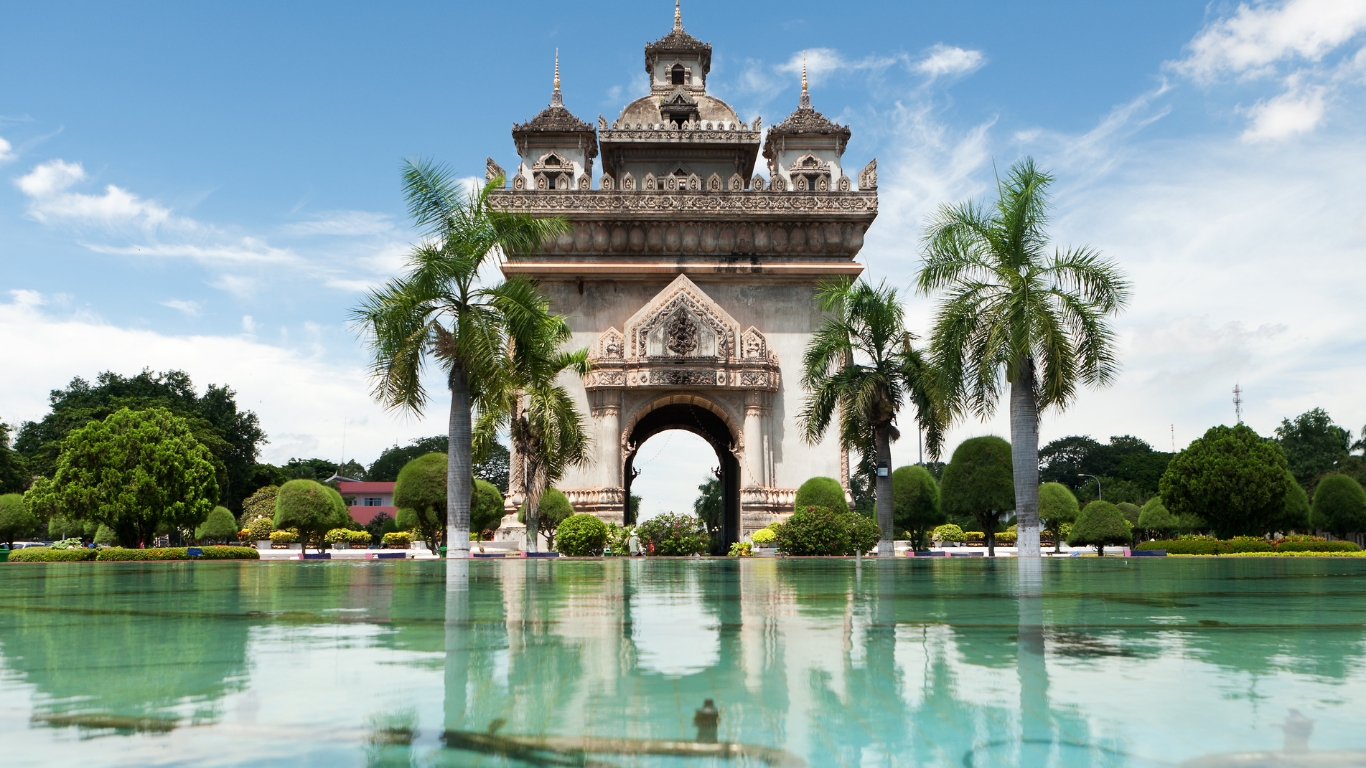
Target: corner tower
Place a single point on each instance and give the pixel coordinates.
(692, 279)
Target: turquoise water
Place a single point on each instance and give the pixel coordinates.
(822, 662)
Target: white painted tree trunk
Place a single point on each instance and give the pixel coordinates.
(883, 491)
(459, 470)
(1024, 456)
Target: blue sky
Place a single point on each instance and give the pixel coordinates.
(212, 187)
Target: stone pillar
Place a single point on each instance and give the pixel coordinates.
(755, 463)
(609, 437)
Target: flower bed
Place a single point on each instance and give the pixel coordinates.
(121, 554)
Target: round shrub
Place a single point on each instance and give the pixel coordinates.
(219, 526)
(397, 540)
(283, 538)
(763, 536)
(1057, 507)
(816, 531)
(673, 534)
(1131, 512)
(1100, 523)
(338, 536)
(864, 533)
(915, 503)
(420, 495)
(581, 535)
(260, 504)
(311, 508)
(1155, 517)
(486, 507)
(1339, 505)
(821, 492)
(16, 520)
(260, 529)
(948, 532)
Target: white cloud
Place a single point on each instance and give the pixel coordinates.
(342, 223)
(944, 60)
(1256, 36)
(1286, 115)
(189, 308)
(247, 250)
(301, 399)
(48, 187)
(6, 151)
(821, 62)
(248, 325)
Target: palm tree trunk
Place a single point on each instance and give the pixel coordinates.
(459, 470)
(883, 490)
(535, 491)
(1024, 457)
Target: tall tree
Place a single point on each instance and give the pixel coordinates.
(1016, 315)
(233, 436)
(861, 368)
(439, 310)
(543, 423)
(709, 506)
(1313, 445)
(1232, 478)
(13, 475)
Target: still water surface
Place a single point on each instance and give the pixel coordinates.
(606, 663)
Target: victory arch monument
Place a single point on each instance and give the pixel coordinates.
(690, 277)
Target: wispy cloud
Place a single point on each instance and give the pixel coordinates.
(188, 308)
(247, 250)
(1293, 112)
(942, 60)
(48, 187)
(824, 62)
(6, 151)
(342, 224)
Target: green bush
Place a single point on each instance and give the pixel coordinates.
(741, 549)
(763, 536)
(1339, 505)
(1100, 523)
(821, 492)
(555, 509)
(618, 540)
(260, 529)
(1155, 517)
(815, 531)
(974, 537)
(72, 543)
(1244, 544)
(1007, 538)
(397, 540)
(50, 555)
(358, 538)
(220, 525)
(948, 532)
(978, 484)
(338, 536)
(1317, 546)
(1057, 507)
(486, 507)
(311, 508)
(673, 534)
(915, 504)
(420, 495)
(581, 535)
(284, 538)
(120, 554)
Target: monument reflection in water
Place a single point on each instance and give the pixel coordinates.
(815, 662)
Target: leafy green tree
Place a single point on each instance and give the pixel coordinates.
(13, 474)
(1313, 445)
(1154, 517)
(915, 506)
(260, 504)
(439, 310)
(978, 483)
(820, 492)
(1015, 314)
(134, 472)
(1340, 506)
(1130, 511)
(1057, 505)
(420, 495)
(486, 508)
(1232, 478)
(105, 535)
(385, 469)
(312, 509)
(1099, 524)
(16, 520)
(233, 436)
(1295, 514)
(861, 367)
(219, 526)
(709, 507)
(555, 509)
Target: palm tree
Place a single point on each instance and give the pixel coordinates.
(861, 364)
(439, 310)
(543, 422)
(1014, 313)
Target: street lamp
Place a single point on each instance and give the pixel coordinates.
(1097, 479)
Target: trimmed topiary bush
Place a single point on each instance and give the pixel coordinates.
(949, 533)
(1244, 544)
(978, 484)
(581, 535)
(673, 534)
(283, 538)
(486, 507)
(397, 540)
(1339, 506)
(763, 536)
(1057, 507)
(51, 555)
(1317, 546)
(312, 509)
(358, 538)
(260, 529)
(821, 492)
(338, 536)
(121, 554)
(1155, 518)
(219, 526)
(420, 495)
(1099, 524)
(915, 503)
(817, 531)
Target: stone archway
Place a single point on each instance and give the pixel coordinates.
(696, 417)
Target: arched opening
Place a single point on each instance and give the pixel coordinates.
(713, 429)
(678, 75)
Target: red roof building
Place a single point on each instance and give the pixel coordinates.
(370, 499)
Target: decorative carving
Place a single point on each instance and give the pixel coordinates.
(845, 185)
(685, 377)
(867, 178)
(585, 183)
(777, 184)
(628, 183)
(674, 133)
(756, 124)
(605, 183)
(858, 203)
(492, 170)
(519, 182)
(602, 123)
(681, 333)
(800, 184)
(694, 183)
(757, 185)
(714, 183)
(753, 346)
(823, 184)
(754, 378)
(650, 184)
(670, 183)
(611, 345)
(737, 183)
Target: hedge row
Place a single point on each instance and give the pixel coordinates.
(120, 554)
(1245, 545)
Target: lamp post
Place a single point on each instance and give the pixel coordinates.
(1099, 497)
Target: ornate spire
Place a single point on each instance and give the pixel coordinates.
(678, 15)
(555, 99)
(806, 96)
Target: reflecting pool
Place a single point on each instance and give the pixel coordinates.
(1072, 662)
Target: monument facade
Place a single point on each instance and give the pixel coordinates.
(690, 277)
